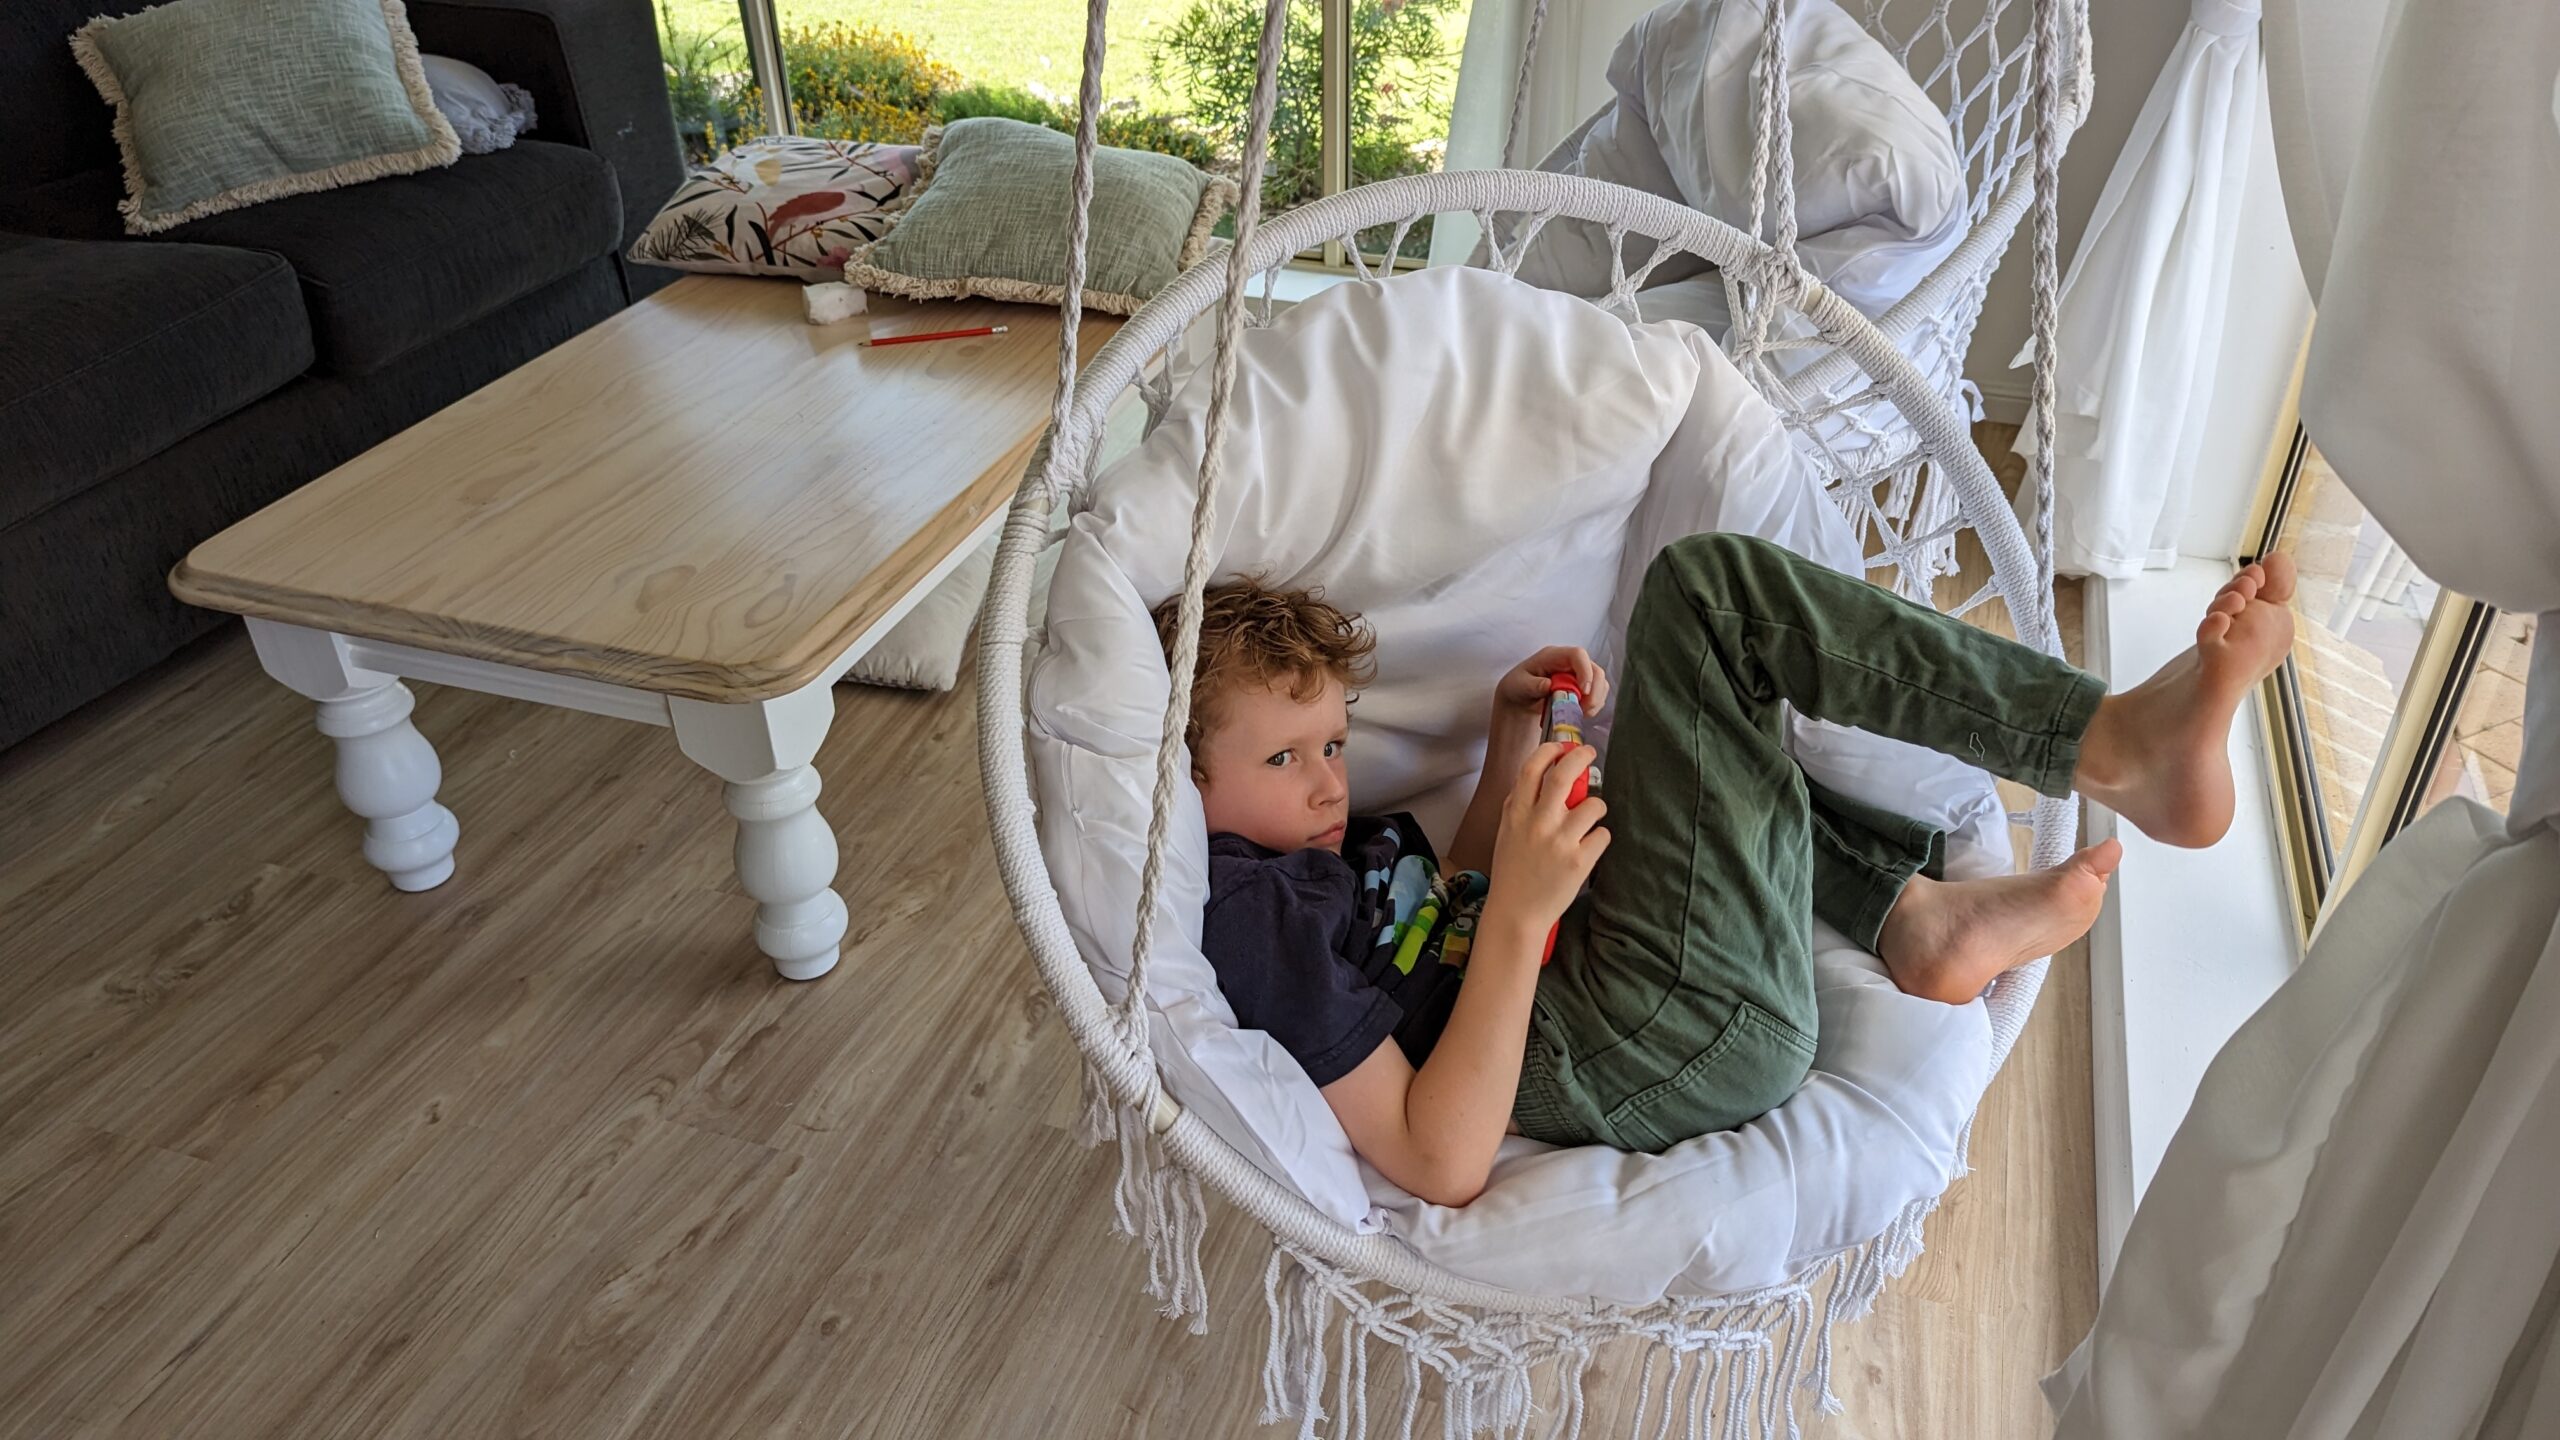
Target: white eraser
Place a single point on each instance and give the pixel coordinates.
(833, 301)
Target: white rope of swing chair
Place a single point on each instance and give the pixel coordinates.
(1112, 1036)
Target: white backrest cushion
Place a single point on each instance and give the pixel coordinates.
(1880, 190)
(1452, 455)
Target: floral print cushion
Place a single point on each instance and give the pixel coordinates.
(779, 205)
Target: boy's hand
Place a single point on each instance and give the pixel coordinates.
(1544, 851)
(1525, 685)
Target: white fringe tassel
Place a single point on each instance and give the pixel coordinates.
(1155, 1201)
(1731, 1368)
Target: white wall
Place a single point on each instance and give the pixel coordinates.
(2269, 306)
(2129, 42)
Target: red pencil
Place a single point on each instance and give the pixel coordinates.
(936, 335)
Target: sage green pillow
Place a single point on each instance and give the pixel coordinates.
(988, 216)
(224, 103)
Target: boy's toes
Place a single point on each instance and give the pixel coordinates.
(2278, 585)
(2213, 627)
(2100, 859)
(2229, 602)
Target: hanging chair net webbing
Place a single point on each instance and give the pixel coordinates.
(1725, 1365)
(1975, 64)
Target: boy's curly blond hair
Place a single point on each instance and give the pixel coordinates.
(1252, 634)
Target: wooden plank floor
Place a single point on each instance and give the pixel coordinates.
(550, 1152)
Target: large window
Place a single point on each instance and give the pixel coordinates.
(2398, 694)
(1365, 85)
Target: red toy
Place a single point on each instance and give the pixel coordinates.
(1561, 719)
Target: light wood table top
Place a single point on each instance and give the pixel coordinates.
(702, 496)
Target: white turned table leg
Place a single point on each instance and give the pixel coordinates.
(786, 850)
(387, 772)
(787, 861)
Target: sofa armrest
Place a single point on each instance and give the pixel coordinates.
(593, 69)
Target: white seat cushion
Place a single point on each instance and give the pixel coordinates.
(1479, 467)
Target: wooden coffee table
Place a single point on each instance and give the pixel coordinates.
(698, 514)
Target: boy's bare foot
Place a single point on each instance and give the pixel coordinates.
(2157, 753)
(1948, 940)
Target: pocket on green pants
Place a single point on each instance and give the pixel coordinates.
(1755, 1062)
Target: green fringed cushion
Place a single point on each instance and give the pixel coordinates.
(226, 103)
(988, 217)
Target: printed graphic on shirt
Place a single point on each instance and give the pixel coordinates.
(1412, 910)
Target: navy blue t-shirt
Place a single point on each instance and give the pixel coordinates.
(1329, 954)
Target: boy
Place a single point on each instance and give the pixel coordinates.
(1680, 999)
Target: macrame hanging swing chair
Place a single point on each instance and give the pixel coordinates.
(1885, 435)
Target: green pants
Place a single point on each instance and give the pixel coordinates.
(1681, 996)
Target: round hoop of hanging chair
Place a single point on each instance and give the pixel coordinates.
(1062, 463)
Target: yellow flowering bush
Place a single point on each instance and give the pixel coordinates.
(861, 82)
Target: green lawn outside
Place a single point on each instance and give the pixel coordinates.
(1034, 43)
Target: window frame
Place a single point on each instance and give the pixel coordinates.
(762, 26)
(2321, 865)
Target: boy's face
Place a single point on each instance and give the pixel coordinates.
(1273, 767)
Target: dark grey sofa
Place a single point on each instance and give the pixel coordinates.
(153, 390)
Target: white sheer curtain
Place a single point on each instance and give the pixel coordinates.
(1569, 83)
(2143, 304)
(2355, 1234)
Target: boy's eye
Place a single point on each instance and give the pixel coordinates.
(1280, 760)
(1332, 748)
